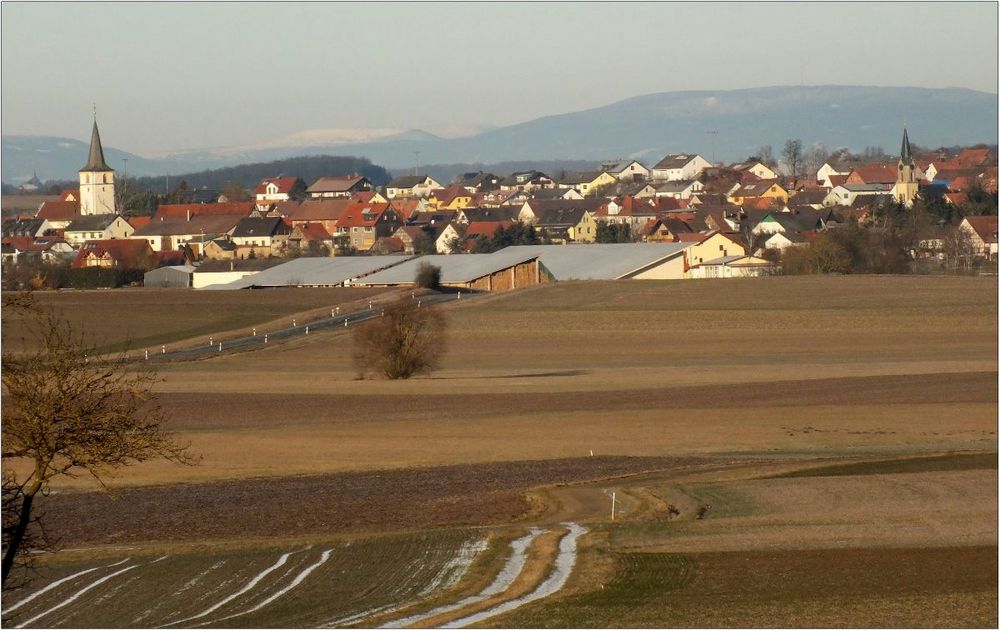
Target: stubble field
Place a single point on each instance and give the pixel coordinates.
(733, 390)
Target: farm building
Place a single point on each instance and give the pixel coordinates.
(177, 276)
(500, 271)
(734, 267)
(609, 261)
(315, 272)
(214, 272)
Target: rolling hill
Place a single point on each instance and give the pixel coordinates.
(643, 127)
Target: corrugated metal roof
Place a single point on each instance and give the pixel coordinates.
(598, 261)
(454, 268)
(315, 272)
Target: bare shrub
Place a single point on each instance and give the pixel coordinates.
(406, 340)
(428, 276)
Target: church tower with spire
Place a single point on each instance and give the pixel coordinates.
(97, 180)
(907, 185)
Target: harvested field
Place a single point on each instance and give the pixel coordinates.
(349, 502)
(112, 319)
(937, 587)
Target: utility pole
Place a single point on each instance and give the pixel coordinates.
(713, 133)
(416, 159)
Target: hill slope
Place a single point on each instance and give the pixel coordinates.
(645, 127)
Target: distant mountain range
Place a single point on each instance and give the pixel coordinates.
(725, 124)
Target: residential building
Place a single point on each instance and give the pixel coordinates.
(332, 187)
(410, 186)
(95, 227)
(679, 167)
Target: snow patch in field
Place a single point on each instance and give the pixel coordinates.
(552, 584)
(48, 588)
(511, 569)
(249, 586)
(454, 569)
(298, 580)
(77, 595)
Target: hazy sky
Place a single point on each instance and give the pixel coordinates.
(168, 76)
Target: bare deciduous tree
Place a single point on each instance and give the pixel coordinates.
(67, 415)
(408, 339)
(792, 153)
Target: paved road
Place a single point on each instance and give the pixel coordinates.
(261, 340)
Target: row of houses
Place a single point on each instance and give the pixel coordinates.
(681, 198)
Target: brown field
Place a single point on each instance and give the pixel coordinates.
(842, 429)
(137, 318)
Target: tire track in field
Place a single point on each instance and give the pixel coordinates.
(450, 573)
(77, 595)
(563, 567)
(503, 580)
(55, 584)
(295, 582)
(246, 588)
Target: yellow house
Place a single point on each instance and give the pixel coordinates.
(715, 246)
(602, 180)
(767, 188)
(585, 231)
(451, 198)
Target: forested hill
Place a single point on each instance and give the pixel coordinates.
(309, 168)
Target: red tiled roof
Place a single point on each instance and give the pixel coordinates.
(691, 237)
(390, 244)
(404, 207)
(180, 210)
(837, 180)
(313, 231)
(973, 157)
(138, 222)
(985, 227)
(284, 184)
(126, 252)
(334, 184)
(59, 210)
(956, 198)
(362, 214)
(315, 209)
(875, 173)
(486, 228)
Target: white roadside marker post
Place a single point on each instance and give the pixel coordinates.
(294, 324)
(612, 506)
(210, 342)
(345, 323)
(163, 349)
(265, 337)
(220, 346)
(147, 354)
(307, 330)
(254, 332)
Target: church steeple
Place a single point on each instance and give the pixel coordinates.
(97, 180)
(905, 155)
(906, 188)
(95, 161)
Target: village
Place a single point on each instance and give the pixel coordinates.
(680, 218)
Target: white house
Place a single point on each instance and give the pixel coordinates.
(626, 170)
(828, 169)
(411, 186)
(679, 189)
(679, 167)
(94, 227)
(756, 167)
(845, 194)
